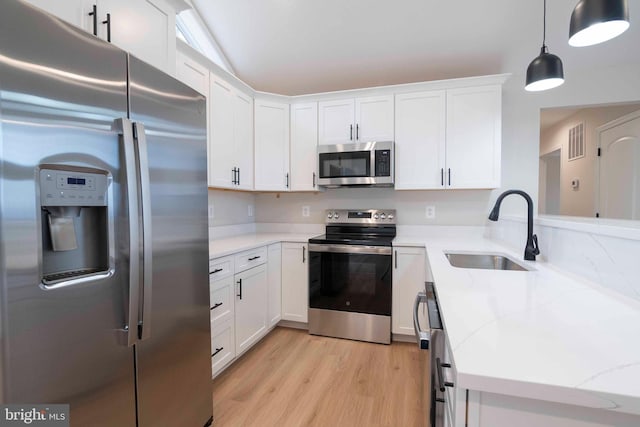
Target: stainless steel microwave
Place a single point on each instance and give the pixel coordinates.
(359, 164)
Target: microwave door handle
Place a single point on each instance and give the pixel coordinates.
(140, 140)
(125, 128)
(422, 337)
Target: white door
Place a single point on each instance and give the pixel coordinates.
(374, 119)
(271, 146)
(146, 28)
(420, 140)
(304, 147)
(73, 11)
(473, 137)
(274, 267)
(243, 139)
(295, 282)
(336, 122)
(408, 279)
(250, 306)
(192, 73)
(221, 144)
(620, 168)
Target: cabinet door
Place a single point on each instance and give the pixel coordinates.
(250, 306)
(192, 73)
(336, 122)
(274, 268)
(146, 28)
(474, 137)
(420, 140)
(272, 146)
(72, 11)
(408, 279)
(295, 282)
(221, 146)
(243, 139)
(304, 147)
(374, 119)
(221, 300)
(223, 349)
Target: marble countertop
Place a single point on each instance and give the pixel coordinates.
(540, 334)
(244, 242)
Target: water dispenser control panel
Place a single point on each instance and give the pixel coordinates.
(68, 188)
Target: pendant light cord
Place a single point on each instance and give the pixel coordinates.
(544, 24)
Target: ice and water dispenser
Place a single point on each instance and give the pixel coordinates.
(75, 223)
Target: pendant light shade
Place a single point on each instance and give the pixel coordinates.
(545, 71)
(596, 21)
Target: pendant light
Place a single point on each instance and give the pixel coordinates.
(596, 21)
(545, 71)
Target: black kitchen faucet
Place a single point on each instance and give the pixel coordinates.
(531, 249)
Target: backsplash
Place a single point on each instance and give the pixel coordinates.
(607, 257)
(459, 207)
(231, 207)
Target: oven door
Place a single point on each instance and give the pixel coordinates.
(350, 278)
(345, 167)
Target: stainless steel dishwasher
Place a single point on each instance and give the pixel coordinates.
(431, 341)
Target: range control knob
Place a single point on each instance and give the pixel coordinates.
(382, 216)
(390, 216)
(375, 216)
(336, 215)
(330, 215)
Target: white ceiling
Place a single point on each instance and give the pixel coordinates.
(305, 46)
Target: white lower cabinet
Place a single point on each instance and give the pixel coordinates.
(295, 282)
(223, 349)
(250, 307)
(274, 291)
(409, 270)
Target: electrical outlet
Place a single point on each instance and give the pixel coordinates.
(306, 211)
(430, 212)
(250, 211)
(212, 212)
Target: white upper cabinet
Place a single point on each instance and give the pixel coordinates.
(448, 139)
(374, 119)
(230, 136)
(146, 28)
(304, 147)
(474, 126)
(192, 73)
(271, 146)
(420, 140)
(356, 120)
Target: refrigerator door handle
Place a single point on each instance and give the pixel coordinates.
(125, 128)
(140, 139)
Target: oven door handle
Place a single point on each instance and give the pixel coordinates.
(351, 249)
(422, 337)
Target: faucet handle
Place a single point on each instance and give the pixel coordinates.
(536, 250)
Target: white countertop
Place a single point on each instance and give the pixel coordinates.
(244, 242)
(541, 334)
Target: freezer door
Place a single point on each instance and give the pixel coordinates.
(174, 355)
(60, 91)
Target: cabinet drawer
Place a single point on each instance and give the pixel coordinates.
(220, 267)
(249, 259)
(221, 300)
(222, 346)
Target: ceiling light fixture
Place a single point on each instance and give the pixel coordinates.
(596, 21)
(545, 71)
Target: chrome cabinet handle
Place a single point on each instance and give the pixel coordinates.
(442, 177)
(125, 128)
(396, 259)
(216, 305)
(140, 143)
(108, 22)
(449, 176)
(422, 337)
(218, 350)
(94, 14)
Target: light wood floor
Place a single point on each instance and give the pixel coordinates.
(292, 378)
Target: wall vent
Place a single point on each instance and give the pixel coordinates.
(576, 142)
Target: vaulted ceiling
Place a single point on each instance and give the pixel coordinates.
(306, 46)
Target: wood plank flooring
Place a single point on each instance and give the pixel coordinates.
(292, 378)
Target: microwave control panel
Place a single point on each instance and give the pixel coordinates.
(383, 163)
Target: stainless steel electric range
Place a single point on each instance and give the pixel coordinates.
(350, 271)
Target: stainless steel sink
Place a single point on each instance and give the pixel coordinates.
(484, 261)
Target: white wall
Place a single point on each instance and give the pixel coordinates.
(230, 207)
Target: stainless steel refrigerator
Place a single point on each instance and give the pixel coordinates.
(103, 230)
